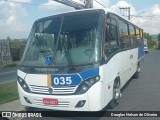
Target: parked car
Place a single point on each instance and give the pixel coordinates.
(146, 48)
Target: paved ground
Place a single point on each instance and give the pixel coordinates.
(12, 106)
(139, 95)
(8, 75)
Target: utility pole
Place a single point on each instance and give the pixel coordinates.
(128, 9)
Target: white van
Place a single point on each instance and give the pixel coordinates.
(146, 48)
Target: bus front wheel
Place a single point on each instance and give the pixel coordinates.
(116, 94)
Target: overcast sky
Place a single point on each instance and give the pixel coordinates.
(16, 19)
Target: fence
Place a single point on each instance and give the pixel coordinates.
(5, 52)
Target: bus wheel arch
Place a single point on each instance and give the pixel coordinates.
(116, 93)
(136, 74)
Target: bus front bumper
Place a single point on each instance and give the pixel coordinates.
(92, 99)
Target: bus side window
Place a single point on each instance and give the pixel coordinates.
(139, 37)
(132, 36)
(124, 36)
(111, 37)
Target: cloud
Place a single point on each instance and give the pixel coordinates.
(144, 23)
(101, 4)
(156, 9)
(123, 4)
(10, 24)
(25, 1)
(150, 24)
(59, 8)
(149, 20)
(55, 7)
(12, 13)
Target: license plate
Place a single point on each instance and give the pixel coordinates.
(50, 101)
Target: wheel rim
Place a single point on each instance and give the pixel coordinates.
(117, 92)
(139, 69)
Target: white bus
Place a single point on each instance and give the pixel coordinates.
(79, 61)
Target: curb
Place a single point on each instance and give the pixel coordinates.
(12, 107)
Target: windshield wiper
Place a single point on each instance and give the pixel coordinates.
(58, 37)
(68, 55)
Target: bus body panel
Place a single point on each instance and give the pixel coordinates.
(117, 66)
(127, 64)
(36, 79)
(21, 74)
(141, 53)
(122, 64)
(107, 84)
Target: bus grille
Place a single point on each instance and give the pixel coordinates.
(56, 91)
(60, 103)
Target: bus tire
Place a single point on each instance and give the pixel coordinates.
(116, 94)
(136, 74)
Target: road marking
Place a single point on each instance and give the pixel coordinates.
(4, 82)
(8, 72)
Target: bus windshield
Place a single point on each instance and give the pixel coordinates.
(65, 40)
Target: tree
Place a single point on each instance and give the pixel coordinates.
(151, 43)
(159, 41)
(8, 38)
(17, 48)
(147, 36)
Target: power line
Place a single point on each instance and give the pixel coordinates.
(120, 4)
(147, 16)
(135, 6)
(117, 3)
(39, 4)
(114, 3)
(137, 16)
(24, 3)
(101, 4)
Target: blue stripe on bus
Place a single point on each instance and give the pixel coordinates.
(140, 52)
(72, 79)
(89, 73)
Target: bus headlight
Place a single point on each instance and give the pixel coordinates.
(85, 85)
(84, 88)
(23, 85)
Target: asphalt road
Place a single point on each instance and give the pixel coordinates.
(141, 94)
(8, 75)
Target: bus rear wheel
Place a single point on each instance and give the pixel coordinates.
(116, 94)
(136, 74)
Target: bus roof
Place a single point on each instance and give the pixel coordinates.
(91, 9)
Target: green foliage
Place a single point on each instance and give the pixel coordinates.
(152, 44)
(159, 41)
(13, 64)
(159, 37)
(8, 92)
(147, 36)
(17, 48)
